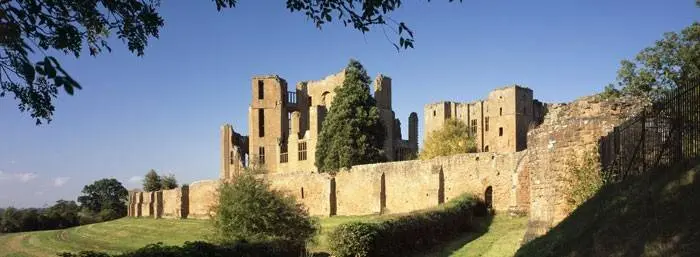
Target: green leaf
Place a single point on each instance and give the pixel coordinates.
(28, 72)
(69, 88)
(58, 81)
(50, 70)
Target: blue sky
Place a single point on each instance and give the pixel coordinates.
(163, 110)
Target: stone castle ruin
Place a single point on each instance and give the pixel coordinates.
(284, 125)
(499, 123)
(522, 144)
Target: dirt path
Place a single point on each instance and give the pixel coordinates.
(14, 245)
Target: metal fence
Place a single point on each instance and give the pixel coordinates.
(663, 134)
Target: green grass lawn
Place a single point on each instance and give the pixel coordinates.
(499, 238)
(132, 233)
(113, 237)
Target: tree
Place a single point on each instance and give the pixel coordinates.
(168, 182)
(10, 221)
(28, 26)
(63, 26)
(152, 181)
(249, 210)
(63, 214)
(107, 197)
(352, 132)
(671, 62)
(453, 138)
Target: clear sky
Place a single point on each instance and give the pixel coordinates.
(163, 110)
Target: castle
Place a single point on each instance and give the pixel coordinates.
(499, 123)
(284, 125)
(520, 167)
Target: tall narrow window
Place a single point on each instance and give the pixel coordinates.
(302, 151)
(434, 113)
(261, 122)
(284, 156)
(261, 89)
(261, 155)
(500, 132)
(302, 193)
(473, 127)
(289, 121)
(486, 124)
(309, 100)
(500, 111)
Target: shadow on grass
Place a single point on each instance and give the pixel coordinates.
(656, 214)
(480, 227)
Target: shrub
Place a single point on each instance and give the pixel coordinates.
(204, 249)
(249, 210)
(453, 138)
(404, 235)
(584, 178)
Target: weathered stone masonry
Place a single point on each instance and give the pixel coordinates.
(567, 133)
(394, 187)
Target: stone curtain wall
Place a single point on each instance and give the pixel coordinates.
(568, 131)
(175, 203)
(394, 187)
(399, 187)
(315, 187)
(172, 203)
(202, 196)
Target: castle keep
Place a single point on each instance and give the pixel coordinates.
(498, 124)
(284, 125)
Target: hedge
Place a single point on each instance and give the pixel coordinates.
(204, 249)
(408, 234)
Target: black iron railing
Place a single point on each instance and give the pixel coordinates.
(663, 134)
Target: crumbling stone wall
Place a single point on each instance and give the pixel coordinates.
(311, 189)
(393, 187)
(147, 204)
(202, 197)
(171, 203)
(568, 131)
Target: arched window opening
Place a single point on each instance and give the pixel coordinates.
(488, 197)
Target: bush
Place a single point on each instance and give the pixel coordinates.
(249, 210)
(404, 235)
(453, 138)
(584, 178)
(204, 249)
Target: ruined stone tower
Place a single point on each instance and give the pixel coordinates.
(499, 123)
(284, 124)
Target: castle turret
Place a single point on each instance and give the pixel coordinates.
(268, 119)
(382, 92)
(413, 131)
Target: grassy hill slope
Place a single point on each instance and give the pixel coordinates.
(113, 237)
(496, 238)
(657, 214)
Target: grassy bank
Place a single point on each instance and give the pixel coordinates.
(657, 214)
(496, 238)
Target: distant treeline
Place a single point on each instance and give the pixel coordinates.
(103, 200)
(61, 215)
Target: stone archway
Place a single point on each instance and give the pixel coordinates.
(488, 197)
